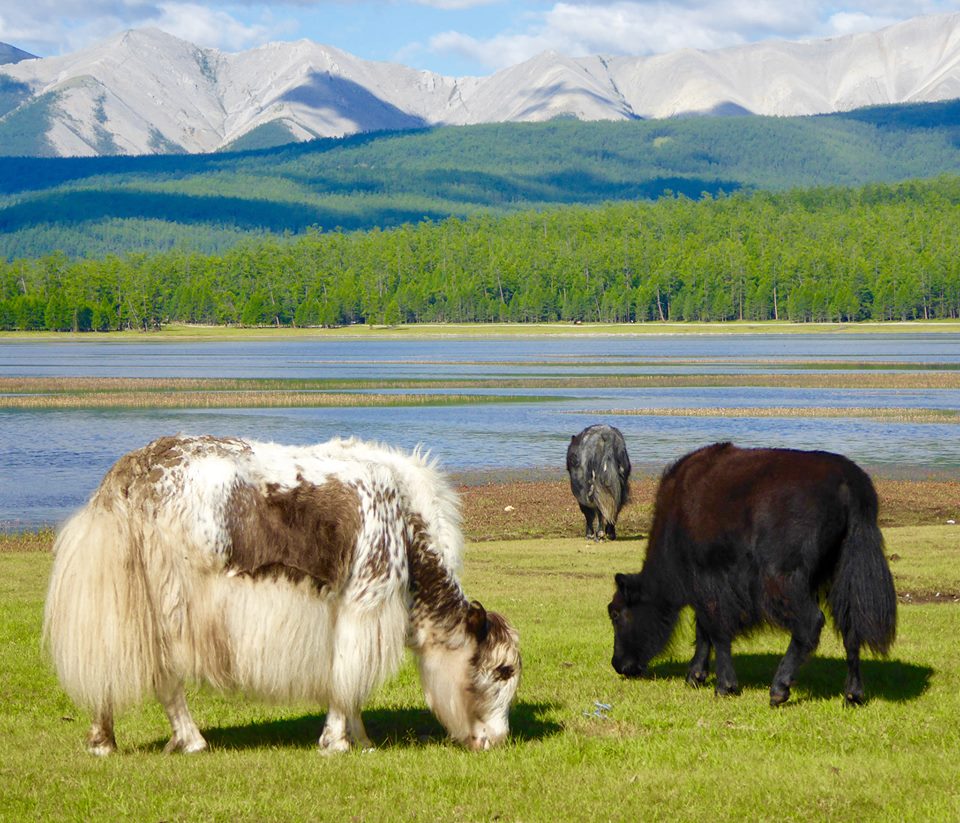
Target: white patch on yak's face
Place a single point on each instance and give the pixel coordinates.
(444, 673)
(495, 677)
(492, 726)
(471, 688)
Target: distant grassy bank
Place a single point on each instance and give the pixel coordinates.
(121, 392)
(185, 332)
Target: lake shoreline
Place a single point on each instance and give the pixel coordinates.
(498, 410)
(428, 331)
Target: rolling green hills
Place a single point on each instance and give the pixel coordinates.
(210, 203)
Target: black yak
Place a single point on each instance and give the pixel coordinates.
(599, 470)
(753, 536)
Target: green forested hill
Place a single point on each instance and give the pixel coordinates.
(877, 252)
(210, 203)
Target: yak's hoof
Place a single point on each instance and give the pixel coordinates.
(853, 698)
(175, 744)
(727, 691)
(101, 743)
(696, 678)
(329, 746)
(778, 697)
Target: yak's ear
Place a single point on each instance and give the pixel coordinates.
(627, 585)
(477, 623)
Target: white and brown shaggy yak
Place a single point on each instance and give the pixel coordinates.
(291, 573)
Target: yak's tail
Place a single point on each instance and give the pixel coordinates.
(98, 623)
(607, 498)
(610, 478)
(862, 596)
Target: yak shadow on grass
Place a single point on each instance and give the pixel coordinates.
(820, 678)
(387, 728)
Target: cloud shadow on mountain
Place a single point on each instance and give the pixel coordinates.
(330, 94)
(83, 207)
(564, 186)
(541, 98)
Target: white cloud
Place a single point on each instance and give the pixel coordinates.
(212, 27)
(513, 31)
(855, 22)
(454, 5)
(495, 52)
(62, 26)
(653, 27)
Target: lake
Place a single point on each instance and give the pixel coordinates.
(50, 461)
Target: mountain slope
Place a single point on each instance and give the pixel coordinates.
(103, 205)
(146, 92)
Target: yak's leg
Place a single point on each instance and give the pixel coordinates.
(100, 740)
(357, 638)
(342, 728)
(611, 531)
(700, 664)
(186, 736)
(588, 515)
(600, 533)
(726, 676)
(853, 690)
(358, 734)
(334, 737)
(806, 635)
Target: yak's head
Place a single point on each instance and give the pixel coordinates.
(641, 627)
(471, 680)
(576, 468)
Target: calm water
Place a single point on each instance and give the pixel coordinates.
(50, 461)
(435, 358)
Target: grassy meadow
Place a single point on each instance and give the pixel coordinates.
(585, 744)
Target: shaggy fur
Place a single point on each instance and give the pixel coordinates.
(751, 536)
(599, 469)
(292, 573)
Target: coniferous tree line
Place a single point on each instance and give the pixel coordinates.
(881, 252)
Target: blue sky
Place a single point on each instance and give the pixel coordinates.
(453, 37)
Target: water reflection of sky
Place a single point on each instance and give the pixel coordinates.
(377, 359)
(50, 461)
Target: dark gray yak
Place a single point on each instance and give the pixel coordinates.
(599, 470)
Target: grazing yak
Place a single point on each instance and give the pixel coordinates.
(599, 469)
(292, 573)
(751, 536)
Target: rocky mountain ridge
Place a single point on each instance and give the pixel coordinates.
(147, 92)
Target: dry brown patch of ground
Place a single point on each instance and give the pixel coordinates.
(38, 541)
(517, 510)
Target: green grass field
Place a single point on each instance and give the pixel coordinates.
(662, 751)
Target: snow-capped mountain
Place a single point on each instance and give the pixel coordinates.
(146, 92)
